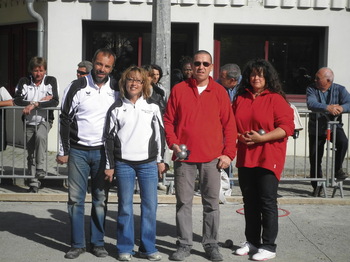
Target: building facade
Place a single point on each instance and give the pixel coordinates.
(297, 36)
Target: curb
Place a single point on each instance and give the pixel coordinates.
(163, 199)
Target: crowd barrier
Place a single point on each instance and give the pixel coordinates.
(14, 158)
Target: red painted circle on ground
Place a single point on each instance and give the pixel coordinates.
(284, 212)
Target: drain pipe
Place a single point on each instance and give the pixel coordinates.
(40, 20)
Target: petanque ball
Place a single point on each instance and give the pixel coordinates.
(262, 132)
(183, 147)
(229, 243)
(181, 154)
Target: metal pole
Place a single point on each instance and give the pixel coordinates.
(328, 138)
(334, 151)
(38, 17)
(161, 39)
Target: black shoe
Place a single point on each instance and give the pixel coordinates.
(340, 175)
(33, 189)
(40, 174)
(181, 253)
(74, 253)
(99, 251)
(318, 192)
(212, 252)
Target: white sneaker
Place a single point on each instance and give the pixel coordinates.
(263, 255)
(124, 257)
(245, 249)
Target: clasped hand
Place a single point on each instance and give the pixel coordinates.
(250, 138)
(335, 109)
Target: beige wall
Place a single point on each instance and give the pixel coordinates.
(63, 28)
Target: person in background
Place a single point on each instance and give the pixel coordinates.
(230, 76)
(34, 93)
(199, 115)
(135, 148)
(83, 114)
(176, 77)
(186, 67)
(157, 75)
(157, 93)
(260, 104)
(84, 68)
(326, 97)
(5, 100)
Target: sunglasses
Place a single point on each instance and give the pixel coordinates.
(205, 64)
(81, 72)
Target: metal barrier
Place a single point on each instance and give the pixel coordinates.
(297, 166)
(14, 163)
(14, 157)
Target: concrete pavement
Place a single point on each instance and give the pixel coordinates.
(35, 227)
(39, 231)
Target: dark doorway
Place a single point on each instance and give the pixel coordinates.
(296, 52)
(131, 41)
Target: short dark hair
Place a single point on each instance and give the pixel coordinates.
(203, 52)
(35, 62)
(106, 51)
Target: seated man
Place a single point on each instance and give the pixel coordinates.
(328, 98)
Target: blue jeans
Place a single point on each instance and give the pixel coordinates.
(81, 165)
(147, 175)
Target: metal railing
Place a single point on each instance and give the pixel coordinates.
(14, 158)
(297, 163)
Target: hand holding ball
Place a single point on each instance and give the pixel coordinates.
(183, 147)
(183, 154)
(261, 132)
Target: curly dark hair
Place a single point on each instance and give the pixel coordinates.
(264, 67)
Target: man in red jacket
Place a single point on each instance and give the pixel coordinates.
(199, 115)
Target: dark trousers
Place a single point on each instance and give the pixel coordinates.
(259, 189)
(341, 145)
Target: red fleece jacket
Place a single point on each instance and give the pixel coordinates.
(268, 111)
(203, 122)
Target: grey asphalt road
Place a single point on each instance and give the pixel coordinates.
(39, 231)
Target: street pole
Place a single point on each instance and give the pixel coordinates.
(161, 39)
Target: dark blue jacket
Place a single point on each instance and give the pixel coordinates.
(338, 95)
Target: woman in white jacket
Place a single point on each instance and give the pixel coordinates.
(134, 148)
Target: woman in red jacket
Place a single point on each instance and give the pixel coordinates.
(264, 121)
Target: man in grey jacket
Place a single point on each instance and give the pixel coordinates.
(330, 100)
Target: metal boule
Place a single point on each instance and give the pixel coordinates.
(181, 155)
(183, 147)
(261, 132)
(229, 243)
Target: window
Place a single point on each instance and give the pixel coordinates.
(18, 44)
(296, 52)
(131, 41)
